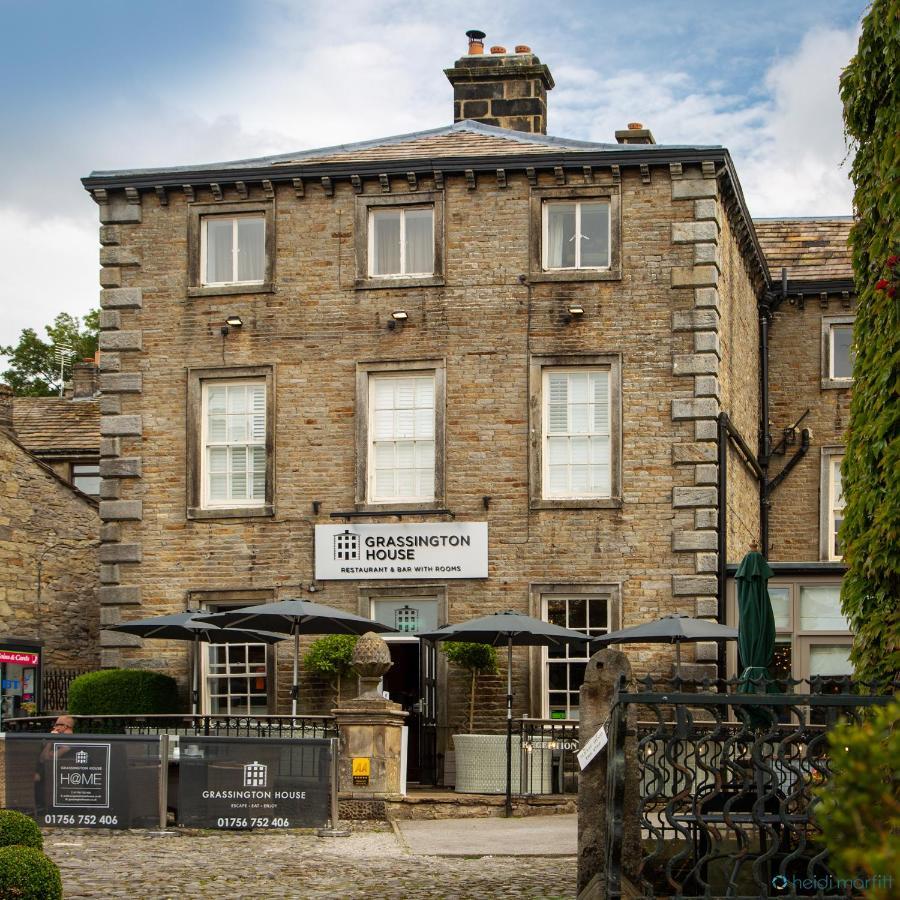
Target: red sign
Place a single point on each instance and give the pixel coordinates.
(19, 658)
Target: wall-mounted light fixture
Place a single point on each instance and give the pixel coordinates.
(398, 317)
(232, 322)
(574, 311)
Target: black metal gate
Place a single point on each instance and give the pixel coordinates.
(725, 782)
(428, 713)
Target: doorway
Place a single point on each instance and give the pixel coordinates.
(412, 679)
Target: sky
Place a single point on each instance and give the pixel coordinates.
(115, 84)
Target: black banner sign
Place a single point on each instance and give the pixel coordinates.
(85, 781)
(238, 783)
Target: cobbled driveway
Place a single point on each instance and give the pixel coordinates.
(371, 863)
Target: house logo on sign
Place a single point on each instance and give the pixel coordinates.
(255, 775)
(81, 757)
(346, 546)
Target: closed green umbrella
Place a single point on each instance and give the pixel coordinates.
(756, 630)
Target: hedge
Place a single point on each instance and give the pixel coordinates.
(17, 828)
(122, 692)
(26, 874)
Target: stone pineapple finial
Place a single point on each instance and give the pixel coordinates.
(371, 659)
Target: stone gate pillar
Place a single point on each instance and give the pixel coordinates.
(370, 729)
(604, 671)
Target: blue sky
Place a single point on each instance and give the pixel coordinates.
(96, 84)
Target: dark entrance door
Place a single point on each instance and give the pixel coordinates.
(411, 682)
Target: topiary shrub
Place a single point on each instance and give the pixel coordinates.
(122, 692)
(476, 659)
(330, 657)
(26, 874)
(858, 808)
(17, 828)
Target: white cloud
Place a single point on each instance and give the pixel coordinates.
(300, 82)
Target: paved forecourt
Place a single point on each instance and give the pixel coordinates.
(373, 862)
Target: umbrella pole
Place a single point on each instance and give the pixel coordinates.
(678, 659)
(195, 680)
(509, 727)
(295, 687)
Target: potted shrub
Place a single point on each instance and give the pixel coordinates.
(25, 873)
(481, 758)
(330, 658)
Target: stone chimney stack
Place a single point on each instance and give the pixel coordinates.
(508, 90)
(85, 381)
(6, 409)
(635, 134)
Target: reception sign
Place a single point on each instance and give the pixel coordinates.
(265, 783)
(85, 781)
(430, 550)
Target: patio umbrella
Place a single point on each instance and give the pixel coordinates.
(756, 630)
(509, 628)
(186, 626)
(296, 617)
(673, 629)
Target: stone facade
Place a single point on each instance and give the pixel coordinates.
(48, 535)
(675, 316)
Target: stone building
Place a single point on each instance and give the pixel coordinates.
(48, 570)
(476, 334)
(64, 432)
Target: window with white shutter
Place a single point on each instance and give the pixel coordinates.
(577, 439)
(401, 429)
(233, 250)
(233, 457)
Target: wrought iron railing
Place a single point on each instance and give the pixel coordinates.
(188, 724)
(55, 687)
(725, 782)
(548, 763)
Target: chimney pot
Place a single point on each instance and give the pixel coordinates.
(635, 126)
(523, 48)
(476, 42)
(497, 49)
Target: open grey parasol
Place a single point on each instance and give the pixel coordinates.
(673, 629)
(296, 617)
(186, 626)
(511, 629)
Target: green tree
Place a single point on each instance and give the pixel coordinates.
(870, 534)
(476, 659)
(858, 808)
(33, 363)
(331, 658)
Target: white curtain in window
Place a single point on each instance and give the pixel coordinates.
(820, 608)
(386, 242)
(419, 232)
(560, 235)
(577, 434)
(219, 258)
(251, 249)
(402, 438)
(236, 443)
(842, 357)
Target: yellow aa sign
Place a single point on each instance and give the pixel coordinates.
(361, 769)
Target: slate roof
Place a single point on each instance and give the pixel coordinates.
(811, 248)
(466, 138)
(57, 425)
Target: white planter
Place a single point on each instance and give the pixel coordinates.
(481, 765)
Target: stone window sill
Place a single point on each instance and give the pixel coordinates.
(577, 275)
(399, 283)
(224, 290)
(237, 512)
(840, 384)
(578, 503)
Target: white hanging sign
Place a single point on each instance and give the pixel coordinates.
(428, 550)
(592, 747)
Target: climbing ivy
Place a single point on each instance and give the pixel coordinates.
(870, 534)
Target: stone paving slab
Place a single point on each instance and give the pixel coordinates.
(370, 864)
(541, 836)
